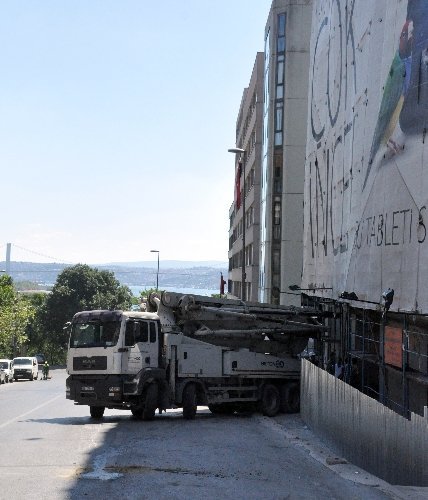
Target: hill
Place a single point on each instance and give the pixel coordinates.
(172, 274)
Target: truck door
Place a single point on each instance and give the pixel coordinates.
(141, 340)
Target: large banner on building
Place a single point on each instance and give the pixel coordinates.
(366, 184)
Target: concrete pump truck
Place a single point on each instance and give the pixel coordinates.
(189, 350)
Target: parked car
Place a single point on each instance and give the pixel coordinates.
(25, 367)
(40, 358)
(2, 376)
(7, 366)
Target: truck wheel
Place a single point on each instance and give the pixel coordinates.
(31, 378)
(290, 398)
(97, 411)
(189, 402)
(151, 402)
(270, 402)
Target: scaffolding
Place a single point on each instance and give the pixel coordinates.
(387, 350)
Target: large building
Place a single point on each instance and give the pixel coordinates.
(271, 129)
(249, 138)
(286, 73)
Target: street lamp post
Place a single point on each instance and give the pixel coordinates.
(157, 274)
(241, 166)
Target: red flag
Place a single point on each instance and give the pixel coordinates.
(238, 186)
(222, 283)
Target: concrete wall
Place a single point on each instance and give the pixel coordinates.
(364, 431)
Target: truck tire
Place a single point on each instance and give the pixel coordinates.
(96, 411)
(189, 402)
(151, 402)
(271, 400)
(290, 398)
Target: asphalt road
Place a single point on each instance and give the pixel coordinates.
(51, 449)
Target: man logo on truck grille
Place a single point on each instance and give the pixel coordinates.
(88, 363)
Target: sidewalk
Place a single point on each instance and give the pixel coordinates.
(297, 432)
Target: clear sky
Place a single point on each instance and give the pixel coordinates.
(115, 120)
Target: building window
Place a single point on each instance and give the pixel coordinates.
(249, 255)
(277, 213)
(280, 75)
(281, 33)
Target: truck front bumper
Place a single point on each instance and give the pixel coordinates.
(91, 390)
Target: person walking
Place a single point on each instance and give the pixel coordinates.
(338, 369)
(45, 370)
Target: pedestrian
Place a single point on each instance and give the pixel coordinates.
(45, 370)
(331, 363)
(355, 374)
(347, 370)
(338, 369)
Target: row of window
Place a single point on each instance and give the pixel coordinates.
(237, 232)
(235, 262)
(248, 117)
(235, 287)
(279, 78)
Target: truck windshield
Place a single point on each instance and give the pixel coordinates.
(3, 364)
(95, 334)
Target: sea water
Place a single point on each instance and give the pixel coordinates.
(136, 290)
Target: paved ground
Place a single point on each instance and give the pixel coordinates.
(296, 431)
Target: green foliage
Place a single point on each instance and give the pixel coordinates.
(79, 288)
(145, 293)
(16, 313)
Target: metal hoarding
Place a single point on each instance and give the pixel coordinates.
(366, 182)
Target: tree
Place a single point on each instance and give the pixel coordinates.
(16, 314)
(80, 288)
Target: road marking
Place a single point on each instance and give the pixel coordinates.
(31, 411)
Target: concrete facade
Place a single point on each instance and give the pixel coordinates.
(248, 137)
(286, 76)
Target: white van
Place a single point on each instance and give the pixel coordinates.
(7, 366)
(25, 367)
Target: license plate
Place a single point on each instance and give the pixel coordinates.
(87, 388)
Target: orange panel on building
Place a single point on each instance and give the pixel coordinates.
(393, 346)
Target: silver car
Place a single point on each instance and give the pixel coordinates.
(7, 366)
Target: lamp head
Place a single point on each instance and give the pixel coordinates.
(236, 150)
